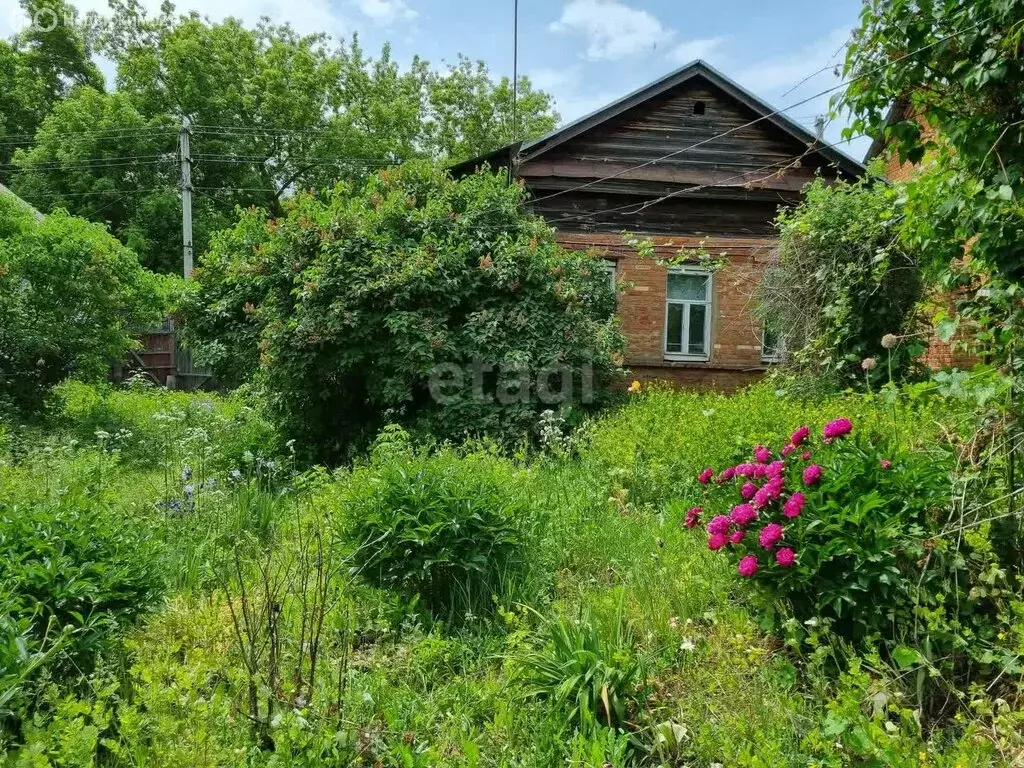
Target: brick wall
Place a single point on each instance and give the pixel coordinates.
(735, 355)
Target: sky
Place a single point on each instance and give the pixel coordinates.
(586, 53)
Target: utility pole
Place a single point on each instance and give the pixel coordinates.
(515, 87)
(186, 195)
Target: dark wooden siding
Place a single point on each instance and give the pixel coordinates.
(733, 185)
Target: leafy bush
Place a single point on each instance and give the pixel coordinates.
(71, 563)
(588, 668)
(446, 529)
(413, 299)
(150, 425)
(840, 531)
(71, 298)
(843, 281)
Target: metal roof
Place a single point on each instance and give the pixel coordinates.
(38, 216)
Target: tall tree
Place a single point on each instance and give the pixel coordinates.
(272, 112)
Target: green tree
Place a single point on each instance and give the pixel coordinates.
(411, 299)
(71, 300)
(843, 280)
(959, 69)
(38, 68)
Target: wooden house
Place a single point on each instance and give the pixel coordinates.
(695, 164)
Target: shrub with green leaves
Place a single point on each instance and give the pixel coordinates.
(448, 530)
(72, 299)
(412, 299)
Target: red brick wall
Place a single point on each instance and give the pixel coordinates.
(735, 358)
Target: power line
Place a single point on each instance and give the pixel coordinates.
(756, 120)
(112, 133)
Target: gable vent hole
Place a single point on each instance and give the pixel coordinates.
(698, 107)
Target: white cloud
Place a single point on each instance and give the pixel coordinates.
(386, 11)
(784, 72)
(612, 29)
(701, 48)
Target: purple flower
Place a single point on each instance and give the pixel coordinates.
(788, 449)
(762, 498)
(812, 474)
(747, 567)
(886, 464)
(693, 517)
(737, 536)
(705, 477)
(748, 490)
(760, 470)
(806, 456)
(794, 505)
(762, 455)
(800, 435)
(727, 474)
(743, 514)
(719, 524)
(776, 468)
(770, 535)
(785, 557)
(837, 428)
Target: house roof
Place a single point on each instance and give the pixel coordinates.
(899, 111)
(698, 68)
(5, 191)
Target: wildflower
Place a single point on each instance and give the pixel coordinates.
(785, 557)
(748, 566)
(687, 644)
(673, 622)
(189, 491)
(719, 525)
(186, 473)
(235, 474)
(794, 505)
(762, 454)
(716, 541)
(705, 477)
(737, 536)
(886, 464)
(812, 474)
(748, 490)
(837, 428)
(889, 341)
(788, 449)
(211, 482)
(805, 456)
(770, 535)
(868, 363)
(635, 387)
(693, 517)
(800, 436)
(743, 514)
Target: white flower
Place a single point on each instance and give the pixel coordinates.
(687, 644)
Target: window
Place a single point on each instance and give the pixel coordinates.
(608, 267)
(688, 314)
(698, 107)
(773, 344)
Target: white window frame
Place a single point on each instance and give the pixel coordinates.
(709, 294)
(779, 355)
(610, 267)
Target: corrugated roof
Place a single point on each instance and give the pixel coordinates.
(5, 191)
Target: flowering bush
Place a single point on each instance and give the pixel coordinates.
(841, 531)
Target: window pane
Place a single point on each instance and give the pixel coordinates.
(698, 318)
(687, 287)
(770, 346)
(674, 342)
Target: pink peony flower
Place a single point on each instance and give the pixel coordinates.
(727, 474)
(788, 449)
(762, 498)
(886, 464)
(812, 474)
(748, 490)
(762, 455)
(775, 469)
(774, 487)
(794, 505)
(785, 557)
(770, 535)
(800, 435)
(705, 477)
(805, 456)
(737, 536)
(743, 514)
(748, 566)
(719, 524)
(760, 470)
(716, 541)
(693, 517)
(837, 428)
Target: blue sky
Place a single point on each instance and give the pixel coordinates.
(585, 52)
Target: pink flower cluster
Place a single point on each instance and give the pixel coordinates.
(763, 494)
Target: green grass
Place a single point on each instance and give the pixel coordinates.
(622, 606)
